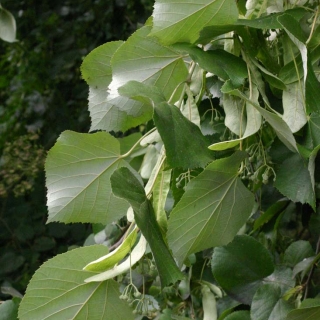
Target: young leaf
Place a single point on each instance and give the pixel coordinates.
(159, 197)
(295, 184)
(268, 304)
(57, 291)
(235, 119)
(112, 258)
(136, 254)
(125, 185)
(250, 126)
(181, 21)
(78, 169)
(142, 59)
(7, 26)
(185, 145)
(241, 266)
(281, 128)
(212, 210)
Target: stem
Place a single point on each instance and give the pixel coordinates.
(313, 25)
(136, 144)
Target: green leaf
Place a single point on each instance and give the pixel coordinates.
(314, 128)
(235, 119)
(112, 258)
(281, 128)
(125, 185)
(250, 126)
(293, 71)
(303, 266)
(220, 62)
(96, 71)
(78, 169)
(295, 184)
(298, 37)
(9, 309)
(96, 68)
(271, 78)
(312, 91)
(212, 210)
(142, 92)
(241, 266)
(185, 145)
(266, 22)
(309, 309)
(181, 21)
(238, 315)
(7, 26)
(294, 106)
(297, 251)
(58, 291)
(268, 304)
(142, 59)
(273, 210)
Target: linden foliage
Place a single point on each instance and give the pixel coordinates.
(211, 189)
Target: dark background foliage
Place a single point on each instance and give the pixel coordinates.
(42, 94)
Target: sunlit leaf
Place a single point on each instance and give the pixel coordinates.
(213, 208)
(181, 21)
(58, 291)
(142, 59)
(78, 169)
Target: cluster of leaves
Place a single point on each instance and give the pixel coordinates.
(215, 193)
(40, 84)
